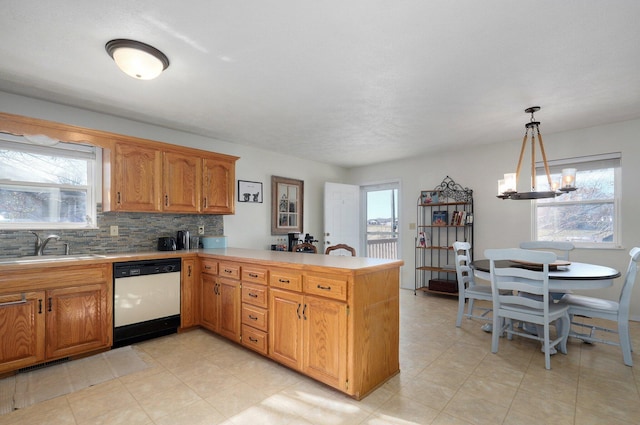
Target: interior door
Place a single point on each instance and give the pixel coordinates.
(341, 215)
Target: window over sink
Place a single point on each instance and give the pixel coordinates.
(588, 217)
(46, 184)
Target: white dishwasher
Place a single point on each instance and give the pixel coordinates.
(146, 300)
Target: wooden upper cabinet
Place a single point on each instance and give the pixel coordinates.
(135, 183)
(146, 178)
(182, 182)
(218, 185)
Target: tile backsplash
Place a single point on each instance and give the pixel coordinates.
(136, 232)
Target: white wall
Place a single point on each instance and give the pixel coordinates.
(505, 223)
(250, 227)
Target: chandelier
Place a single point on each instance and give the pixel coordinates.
(507, 187)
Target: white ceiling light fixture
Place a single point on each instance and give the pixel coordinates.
(136, 59)
(507, 187)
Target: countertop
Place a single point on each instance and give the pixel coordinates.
(266, 257)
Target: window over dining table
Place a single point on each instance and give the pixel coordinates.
(46, 184)
(588, 217)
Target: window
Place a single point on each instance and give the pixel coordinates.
(46, 186)
(588, 217)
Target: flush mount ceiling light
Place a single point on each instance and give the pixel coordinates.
(507, 187)
(137, 59)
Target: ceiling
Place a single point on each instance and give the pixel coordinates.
(349, 83)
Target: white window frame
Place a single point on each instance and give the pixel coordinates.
(45, 146)
(582, 162)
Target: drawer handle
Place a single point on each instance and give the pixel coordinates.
(207, 267)
(252, 339)
(324, 288)
(252, 295)
(253, 275)
(228, 271)
(283, 280)
(23, 300)
(252, 317)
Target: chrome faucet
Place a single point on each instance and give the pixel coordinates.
(41, 244)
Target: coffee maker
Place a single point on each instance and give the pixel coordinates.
(293, 240)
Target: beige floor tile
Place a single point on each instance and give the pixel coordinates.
(100, 401)
(56, 411)
(198, 413)
(126, 415)
(530, 409)
(164, 403)
(236, 398)
(402, 410)
(476, 410)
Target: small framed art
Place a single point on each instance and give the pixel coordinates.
(249, 191)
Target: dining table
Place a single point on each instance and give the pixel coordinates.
(565, 277)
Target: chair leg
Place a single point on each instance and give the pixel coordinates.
(547, 347)
(495, 335)
(460, 311)
(625, 343)
(563, 328)
(470, 307)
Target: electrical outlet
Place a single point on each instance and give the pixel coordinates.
(201, 230)
(113, 230)
(412, 226)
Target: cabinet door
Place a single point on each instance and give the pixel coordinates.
(285, 327)
(218, 186)
(137, 178)
(182, 177)
(189, 294)
(209, 312)
(76, 319)
(229, 303)
(325, 340)
(22, 328)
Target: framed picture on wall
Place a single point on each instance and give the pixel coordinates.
(249, 191)
(287, 206)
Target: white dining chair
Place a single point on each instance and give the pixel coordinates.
(522, 295)
(467, 287)
(561, 248)
(609, 310)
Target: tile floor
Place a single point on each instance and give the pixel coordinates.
(448, 376)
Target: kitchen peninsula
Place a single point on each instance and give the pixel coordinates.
(332, 318)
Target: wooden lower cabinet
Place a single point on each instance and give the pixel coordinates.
(220, 304)
(324, 341)
(229, 299)
(309, 334)
(75, 319)
(22, 326)
(189, 295)
(285, 327)
(50, 313)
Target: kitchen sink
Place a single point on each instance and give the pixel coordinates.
(32, 259)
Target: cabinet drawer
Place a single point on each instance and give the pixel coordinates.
(334, 287)
(229, 270)
(209, 266)
(254, 316)
(254, 339)
(285, 279)
(254, 294)
(254, 274)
